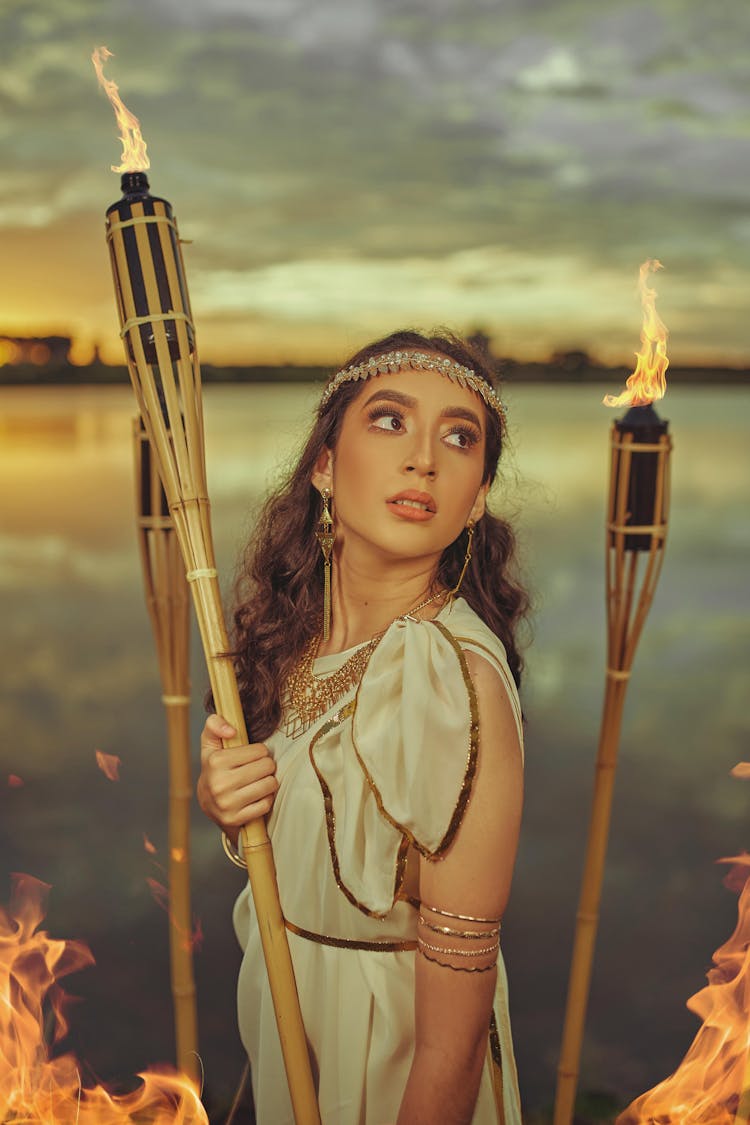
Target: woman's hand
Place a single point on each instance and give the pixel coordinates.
(236, 784)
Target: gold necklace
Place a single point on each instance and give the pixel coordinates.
(308, 697)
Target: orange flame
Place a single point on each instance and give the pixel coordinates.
(36, 1089)
(648, 381)
(712, 1084)
(134, 158)
(109, 764)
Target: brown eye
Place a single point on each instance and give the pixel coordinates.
(387, 420)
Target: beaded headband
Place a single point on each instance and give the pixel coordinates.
(417, 361)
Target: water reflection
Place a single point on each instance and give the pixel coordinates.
(78, 674)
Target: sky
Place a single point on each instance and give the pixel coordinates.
(343, 168)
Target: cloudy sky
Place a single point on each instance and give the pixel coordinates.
(344, 167)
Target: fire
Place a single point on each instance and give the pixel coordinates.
(109, 764)
(134, 158)
(648, 382)
(36, 1087)
(712, 1084)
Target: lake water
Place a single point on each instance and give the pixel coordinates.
(78, 673)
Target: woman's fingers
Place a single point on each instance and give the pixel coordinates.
(215, 730)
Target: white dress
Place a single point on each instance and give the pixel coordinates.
(386, 773)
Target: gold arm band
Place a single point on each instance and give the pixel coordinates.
(460, 917)
(451, 932)
(617, 674)
(457, 968)
(175, 700)
(231, 852)
(459, 952)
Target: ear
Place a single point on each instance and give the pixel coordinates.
(322, 474)
(480, 503)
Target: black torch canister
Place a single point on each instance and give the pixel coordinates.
(640, 436)
(132, 214)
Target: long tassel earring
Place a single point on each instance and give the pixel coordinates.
(324, 535)
(467, 558)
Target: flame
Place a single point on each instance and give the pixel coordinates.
(712, 1084)
(39, 1090)
(14, 781)
(648, 381)
(150, 848)
(134, 158)
(742, 769)
(109, 764)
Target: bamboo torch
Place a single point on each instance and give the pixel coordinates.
(168, 604)
(157, 330)
(636, 531)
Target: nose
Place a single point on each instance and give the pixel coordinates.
(421, 459)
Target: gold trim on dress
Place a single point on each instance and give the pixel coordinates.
(330, 816)
(471, 762)
(503, 672)
(351, 943)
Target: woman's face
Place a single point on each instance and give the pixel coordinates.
(406, 472)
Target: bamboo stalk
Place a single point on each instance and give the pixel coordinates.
(168, 604)
(159, 340)
(627, 608)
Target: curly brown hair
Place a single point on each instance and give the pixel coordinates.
(279, 589)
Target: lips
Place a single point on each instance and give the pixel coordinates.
(413, 505)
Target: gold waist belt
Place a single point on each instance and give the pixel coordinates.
(349, 943)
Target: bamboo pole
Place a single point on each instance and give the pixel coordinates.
(157, 328)
(168, 604)
(627, 608)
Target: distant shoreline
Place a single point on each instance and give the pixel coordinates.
(569, 370)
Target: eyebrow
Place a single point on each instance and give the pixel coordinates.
(410, 402)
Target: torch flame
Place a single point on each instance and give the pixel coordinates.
(134, 158)
(37, 1089)
(648, 381)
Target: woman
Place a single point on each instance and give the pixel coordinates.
(378, 668)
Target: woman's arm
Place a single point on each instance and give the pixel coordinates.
(473, 878)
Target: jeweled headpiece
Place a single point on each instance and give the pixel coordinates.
(417, 361)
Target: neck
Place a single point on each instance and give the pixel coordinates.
(364, 603)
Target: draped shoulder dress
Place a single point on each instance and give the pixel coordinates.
(381, 778)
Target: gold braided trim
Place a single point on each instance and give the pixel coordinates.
(175, 700)
(457, 968)
(202, 572)
(349, 943)
(133, 321)
(504, 672)
(138, 220)
(330, 816)
(471, 762)
(392, 362)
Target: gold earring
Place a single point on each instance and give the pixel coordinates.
(467, 558)
(324, 535)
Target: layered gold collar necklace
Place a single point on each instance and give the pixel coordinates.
(308, 697)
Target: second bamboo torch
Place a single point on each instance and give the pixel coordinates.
(636, 532)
